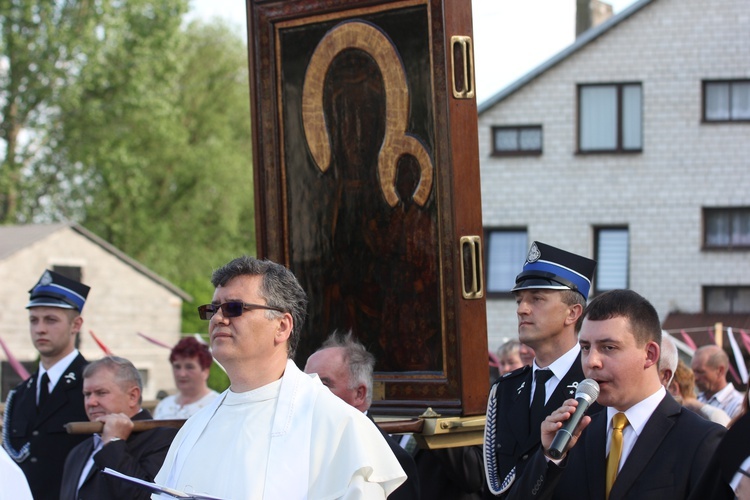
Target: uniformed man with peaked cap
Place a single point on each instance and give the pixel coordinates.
(551, 293)
(37, 410)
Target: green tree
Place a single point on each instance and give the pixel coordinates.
(43, 45)
(160, 130)
(117, 116)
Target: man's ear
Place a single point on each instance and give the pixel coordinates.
(666, 376)
(574, 313)
(76, 324)
(134, 396)
(652, 354)
(360, 395)
(285, 328)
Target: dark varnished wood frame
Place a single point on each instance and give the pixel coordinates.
(461, 387)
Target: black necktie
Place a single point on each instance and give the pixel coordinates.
(43, 390)
(537, 413)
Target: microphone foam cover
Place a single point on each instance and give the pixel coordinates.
(588, 389)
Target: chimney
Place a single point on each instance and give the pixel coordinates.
(590, 13)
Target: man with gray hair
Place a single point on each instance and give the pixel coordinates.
(346, 368)
(112, 389)
(710, 366)
(276, 433)
(667, 360)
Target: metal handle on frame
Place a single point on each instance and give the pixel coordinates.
(462, 75)
(472, 274)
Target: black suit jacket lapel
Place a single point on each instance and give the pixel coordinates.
(656, 429)
(142, 415)
(595, 455)
(81, 461)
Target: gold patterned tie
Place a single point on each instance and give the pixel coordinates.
(619, 421)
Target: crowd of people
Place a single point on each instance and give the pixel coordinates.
(658, 427)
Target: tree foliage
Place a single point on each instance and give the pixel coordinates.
(43, 45)
(138, 128)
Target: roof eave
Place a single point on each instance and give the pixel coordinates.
(583, 40)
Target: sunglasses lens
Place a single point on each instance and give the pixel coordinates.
(206, 311)
(232, 309)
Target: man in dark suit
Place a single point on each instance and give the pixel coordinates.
(346, 368)
(112, 391)
(551, 293)
(37, 410)
(644, 445)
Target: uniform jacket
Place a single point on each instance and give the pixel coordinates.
(45, 432)
(140, 456)
(512, 440)
(668, 461)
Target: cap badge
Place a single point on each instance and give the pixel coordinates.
(46, 279)
(534, 253)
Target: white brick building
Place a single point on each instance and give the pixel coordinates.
(631, 146)
(125, 298)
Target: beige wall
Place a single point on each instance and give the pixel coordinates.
(669, 46)
(122, 301)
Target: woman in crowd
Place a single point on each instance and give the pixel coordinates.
(191, 363)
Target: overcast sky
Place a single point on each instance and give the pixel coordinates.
(511, 37)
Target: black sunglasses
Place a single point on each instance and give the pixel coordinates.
(230, 309)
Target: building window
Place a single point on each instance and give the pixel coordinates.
(609, 118)
(517, 140)
(506, 253)
(144, 376)
(726, 299)
(726, 101)
(726, 227)
(611, 258)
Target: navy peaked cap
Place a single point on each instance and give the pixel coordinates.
(555, 269)
(55, 290)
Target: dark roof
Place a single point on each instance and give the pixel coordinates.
(583, 40)
(16, 238)
(676, 321)
(700, 326)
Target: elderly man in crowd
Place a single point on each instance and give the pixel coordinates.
(112, 390)
(710, 366)
(346, 368)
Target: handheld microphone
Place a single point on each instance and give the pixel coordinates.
(586, 393)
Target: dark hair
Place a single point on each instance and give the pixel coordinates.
(641, 315)
(279, 288)
(361, 363)
(125, 373)
(190, 347)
